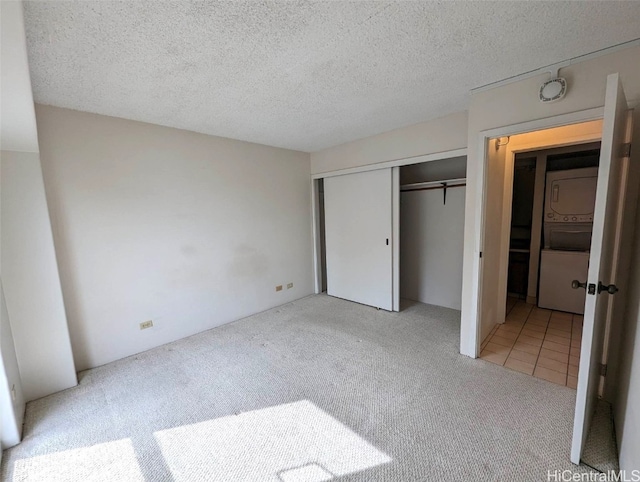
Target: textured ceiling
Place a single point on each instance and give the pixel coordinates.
(301, 75)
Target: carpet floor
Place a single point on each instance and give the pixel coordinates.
(600, 450)
(318, 389)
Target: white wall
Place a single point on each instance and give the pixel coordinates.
(17, 118)
(31, 280)
(27, 258)
(13, 406)
(439, 135)
(431, 238)
(153, 223)
(627, 266)
(626, 406)
(517, 103)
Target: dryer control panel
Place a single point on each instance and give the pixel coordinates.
(570, 195)
(557, 218)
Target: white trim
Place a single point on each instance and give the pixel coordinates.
(469, 333)
(505, 238)
(543, 123)
(557, 66)
(470, 330)
(568, 142)
(436, 156)
(395, 237)
(315, 226)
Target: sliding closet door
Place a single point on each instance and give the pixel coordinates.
(358, 227)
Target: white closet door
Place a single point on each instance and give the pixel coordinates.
(358, 227)
(605, 243)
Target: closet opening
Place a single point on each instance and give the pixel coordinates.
(392, 233)
(319, 236)
(322, 236)
(432, 203)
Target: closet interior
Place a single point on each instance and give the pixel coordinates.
(432, 197)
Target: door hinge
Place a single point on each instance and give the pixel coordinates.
(481, 254)
(603, 370)
(626, 150)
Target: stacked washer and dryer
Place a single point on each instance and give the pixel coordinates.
(568, 220)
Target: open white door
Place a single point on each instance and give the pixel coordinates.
(602, 261)
(358, 233)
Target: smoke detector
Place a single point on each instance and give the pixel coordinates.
(553, 89)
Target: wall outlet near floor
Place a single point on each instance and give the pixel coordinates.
(289, 286)
(13, 393)
(146, 324)
(279, 288)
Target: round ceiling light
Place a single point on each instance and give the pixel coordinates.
(553, 90)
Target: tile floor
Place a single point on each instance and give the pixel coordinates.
(538, 342)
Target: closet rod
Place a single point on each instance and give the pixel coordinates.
(444, 186)
(449, 182)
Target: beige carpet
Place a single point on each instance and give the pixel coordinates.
(319, 389)
(601, 451)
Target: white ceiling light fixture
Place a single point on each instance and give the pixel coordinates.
(553, 89)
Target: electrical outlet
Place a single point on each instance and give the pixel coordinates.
(146, 324)
(279, 288)
(13, 393)
(289, 286)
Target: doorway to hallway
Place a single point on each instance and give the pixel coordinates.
(538, 342)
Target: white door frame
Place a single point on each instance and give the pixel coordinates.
(395, 236)
(470, 326)
(315, 210)
(405, 161)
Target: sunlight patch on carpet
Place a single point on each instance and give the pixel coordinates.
(113, 461)
(290, 442)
